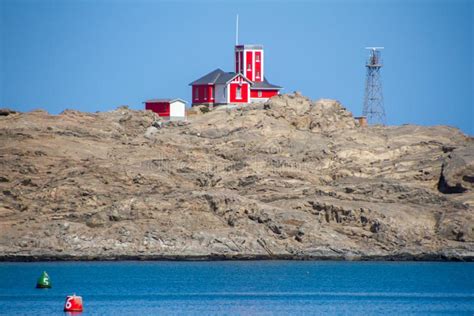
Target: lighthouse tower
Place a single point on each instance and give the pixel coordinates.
(249, 61)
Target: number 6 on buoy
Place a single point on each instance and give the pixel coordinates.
(68, 303)
(73, 303)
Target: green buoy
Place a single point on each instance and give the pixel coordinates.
(43, 281)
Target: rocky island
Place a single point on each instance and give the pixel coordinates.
(289, 179)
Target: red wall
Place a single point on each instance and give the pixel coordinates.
(237, 66)
(160, 108)
(258, 66)
(241, 63)
(203, 97)
(244, 93)
(249, 62)
(265, 93)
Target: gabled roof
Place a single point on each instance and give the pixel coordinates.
(265, 85)
(210, 78)
(164, 100)
(226, 77)
(217, 76)
(229, 76)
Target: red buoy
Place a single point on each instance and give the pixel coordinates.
(73, 303)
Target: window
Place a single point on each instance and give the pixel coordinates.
(259, 93)
(196, 93)
(257, 75)
(205, 93)
(249, 67)
(257, 57)
(239, 92)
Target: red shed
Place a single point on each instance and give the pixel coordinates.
(173, 109)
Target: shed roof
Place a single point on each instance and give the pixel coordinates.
(164, 100)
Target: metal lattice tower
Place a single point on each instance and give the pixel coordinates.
(373, 101)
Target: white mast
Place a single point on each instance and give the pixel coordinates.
(237, 31)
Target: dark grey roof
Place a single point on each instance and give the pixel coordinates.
(225, 77)
(210, 78)
(217, 76)
(264, 85)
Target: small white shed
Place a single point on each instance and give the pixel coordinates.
(172, 109)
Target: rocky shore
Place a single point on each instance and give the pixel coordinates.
(289, 179)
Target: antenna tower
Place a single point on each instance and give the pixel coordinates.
(373, 100)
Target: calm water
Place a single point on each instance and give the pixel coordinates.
(243, 288)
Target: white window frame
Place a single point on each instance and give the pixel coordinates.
(259, 93)
(238, 92)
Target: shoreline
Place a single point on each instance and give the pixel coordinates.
(403, 257)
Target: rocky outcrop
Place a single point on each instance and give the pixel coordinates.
(457, 171)
(316, 116)
(292, 178)
(6, 112)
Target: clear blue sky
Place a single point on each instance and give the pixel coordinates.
(96, 55)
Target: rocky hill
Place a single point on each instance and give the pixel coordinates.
(292, 178)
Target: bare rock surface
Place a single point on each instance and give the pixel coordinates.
(458, 171)
(291, 178)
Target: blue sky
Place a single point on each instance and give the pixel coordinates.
(97, 55)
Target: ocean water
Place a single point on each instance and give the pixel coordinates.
(241, 288)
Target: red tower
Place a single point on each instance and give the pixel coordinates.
(249, 61)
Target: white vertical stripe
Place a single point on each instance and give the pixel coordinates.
(227, 91)
(244, 54)
(253, 65)
(248, 93)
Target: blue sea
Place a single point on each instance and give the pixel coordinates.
(241, 288)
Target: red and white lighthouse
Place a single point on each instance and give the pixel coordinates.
(249, 61)
(247, 84)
